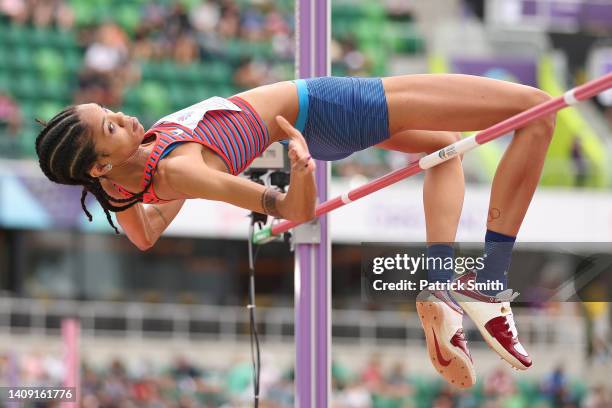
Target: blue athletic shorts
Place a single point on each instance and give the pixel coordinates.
(339, 116)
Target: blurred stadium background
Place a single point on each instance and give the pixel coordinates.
(168, 328)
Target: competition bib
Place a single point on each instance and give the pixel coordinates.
(189, 117)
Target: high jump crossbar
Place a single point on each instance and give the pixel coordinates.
(571, 97)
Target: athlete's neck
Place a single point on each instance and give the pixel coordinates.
(129, 173)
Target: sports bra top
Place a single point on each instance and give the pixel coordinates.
(231, 128)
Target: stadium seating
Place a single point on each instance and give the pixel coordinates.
(42, 71)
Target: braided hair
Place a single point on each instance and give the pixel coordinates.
(66, 154)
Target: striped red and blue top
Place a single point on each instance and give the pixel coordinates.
(237, 137)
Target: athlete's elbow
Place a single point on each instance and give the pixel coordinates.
(309, 214)
(303, 215)
(143, 245)
(305, 212)
(139, 238)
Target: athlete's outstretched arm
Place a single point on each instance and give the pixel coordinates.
(144, 224)
(194, 179)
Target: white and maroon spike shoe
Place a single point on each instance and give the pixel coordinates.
(494, 319)
(442, 322)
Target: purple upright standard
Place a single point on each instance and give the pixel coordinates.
(312, 255)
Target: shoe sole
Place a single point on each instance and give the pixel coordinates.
(460, 371)
(490, 340)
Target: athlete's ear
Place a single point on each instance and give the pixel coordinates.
(100, 169)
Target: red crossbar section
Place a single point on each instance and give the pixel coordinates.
(586, 91)
(582, 92)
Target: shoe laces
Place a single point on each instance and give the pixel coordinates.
(506, 297)
(511, 324)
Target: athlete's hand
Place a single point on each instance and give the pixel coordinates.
(301, 161)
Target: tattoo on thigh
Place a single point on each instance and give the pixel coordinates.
(494, 213)
(268, 202)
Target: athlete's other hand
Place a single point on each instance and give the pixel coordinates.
(301, 161)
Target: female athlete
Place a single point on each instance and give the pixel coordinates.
(199, 151)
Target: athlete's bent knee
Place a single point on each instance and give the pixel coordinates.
(546, 128)
(535, 96)
(546, 124)
(443, 139)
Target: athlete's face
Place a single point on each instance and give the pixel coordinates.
(115, 135)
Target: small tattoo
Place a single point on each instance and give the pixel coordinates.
(161, 215)
(494, 214)
(268, 202)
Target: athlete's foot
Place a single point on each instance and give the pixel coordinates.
(446, 344)
(493, 317)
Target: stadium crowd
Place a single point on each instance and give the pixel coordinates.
(39, 13)
(113, 53)
(117, 49)
(171, 31)
(185, 385)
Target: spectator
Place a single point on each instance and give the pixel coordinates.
(205, 17)
(443, 401)
(143, 48)
(251, 73)
(252, 25)
(276, 24)
(93, 87)
(230, 20)
(598, 397)
(10, 115)
(41, 13)
(177, 22)
(185, 49)
(107, 70)
(354, 60)
(51, 12)
(372, 375)
(556, 387)
(355, 395)
(580, 163)
(16, 10)
(397, 387)
(499, 383)
(109, 52)
(182, 368)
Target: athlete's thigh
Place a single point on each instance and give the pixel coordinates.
(454, 102)
(272, 100)
(419, 141)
